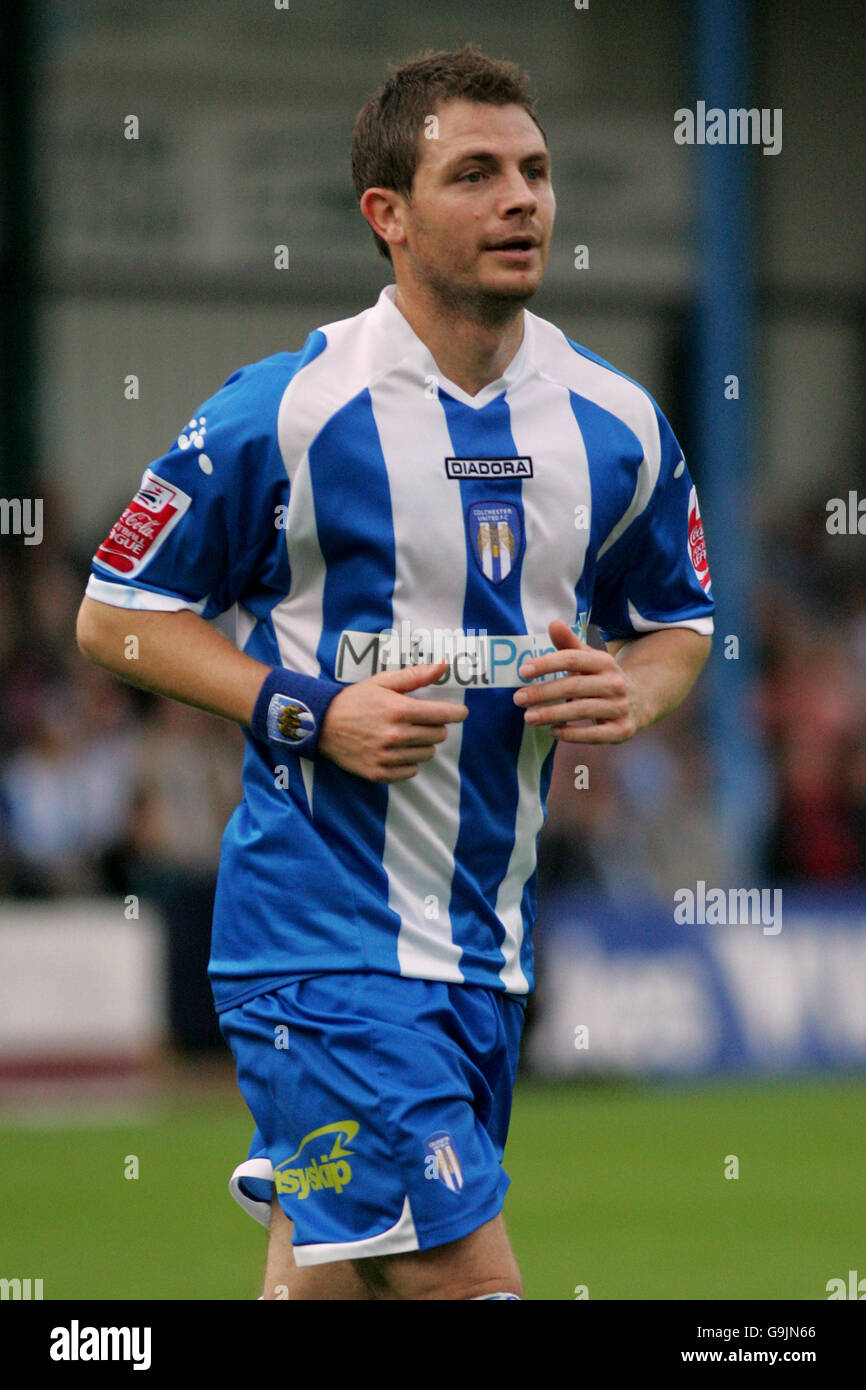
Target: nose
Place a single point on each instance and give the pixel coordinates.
(518, 194)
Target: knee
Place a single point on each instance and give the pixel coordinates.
(497, 1286)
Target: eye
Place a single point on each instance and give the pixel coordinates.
(473, 174)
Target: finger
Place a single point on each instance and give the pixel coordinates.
(404, 757)
(412, 677)
(432, 712)
(600, 687)
(573, 659)
(562, 636)
(397, 774)
(568, 710)
(419, 736)
(611, 731)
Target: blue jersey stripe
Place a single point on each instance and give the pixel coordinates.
(351, 497)
(529, 898)
(614, 454)
(493, 729)
(352, 500)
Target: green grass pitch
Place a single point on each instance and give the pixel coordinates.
(617, 1188)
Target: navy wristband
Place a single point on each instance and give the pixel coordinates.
(290, 710)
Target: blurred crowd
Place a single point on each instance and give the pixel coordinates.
(106, 789)
(97, 777)
(813, 700)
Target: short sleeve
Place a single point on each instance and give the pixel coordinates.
(656, 575)
(204, 529)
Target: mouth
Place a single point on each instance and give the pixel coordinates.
(515, 248)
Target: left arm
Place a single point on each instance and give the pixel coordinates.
(608, 696)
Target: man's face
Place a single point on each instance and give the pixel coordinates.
(484, 181)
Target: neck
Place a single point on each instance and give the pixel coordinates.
(472, 341)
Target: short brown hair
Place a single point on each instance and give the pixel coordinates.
(388, 128)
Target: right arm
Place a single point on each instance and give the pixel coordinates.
(177, 654)
(373, 728)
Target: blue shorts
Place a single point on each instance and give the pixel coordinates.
(382, 1105)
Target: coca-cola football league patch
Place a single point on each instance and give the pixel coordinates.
(697, 544)
(152, 514)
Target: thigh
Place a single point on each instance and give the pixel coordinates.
(284, 1280)
(478, 1265)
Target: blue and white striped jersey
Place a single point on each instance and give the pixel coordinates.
(349, 509)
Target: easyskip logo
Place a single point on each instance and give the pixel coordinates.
(303, 1173)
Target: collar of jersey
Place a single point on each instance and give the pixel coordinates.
(399, 326)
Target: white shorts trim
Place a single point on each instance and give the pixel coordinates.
(262, 1169)
(397, 1240)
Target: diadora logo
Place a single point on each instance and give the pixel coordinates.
(488, 468)
(303, 1173)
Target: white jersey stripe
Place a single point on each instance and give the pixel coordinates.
(547, 592)
(423, 821)
(616, 394)
(528, 821)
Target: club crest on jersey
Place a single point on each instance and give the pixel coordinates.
(289, 720)
(151, 516)
(442, 1161)
(697, 544)
(496, 534)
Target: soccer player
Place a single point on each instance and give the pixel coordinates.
(407, 526)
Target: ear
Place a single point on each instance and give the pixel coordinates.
(384, 210)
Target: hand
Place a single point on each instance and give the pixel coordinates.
(376, 730)
(594, 701)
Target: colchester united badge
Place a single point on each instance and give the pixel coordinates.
(289, 720)
(496, 534)
(441, 1153)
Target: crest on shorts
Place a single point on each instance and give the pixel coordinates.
(442, 1161)
(496, 536)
